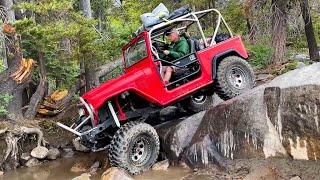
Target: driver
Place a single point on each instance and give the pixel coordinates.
(178, 48)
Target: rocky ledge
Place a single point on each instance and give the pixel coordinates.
(277, 119)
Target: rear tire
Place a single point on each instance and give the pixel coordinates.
(135, 147)
(234, 77)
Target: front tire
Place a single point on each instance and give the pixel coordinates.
(135, 147)
(234, 77)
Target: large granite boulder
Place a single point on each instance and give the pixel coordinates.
(175, 136)
(278, 119)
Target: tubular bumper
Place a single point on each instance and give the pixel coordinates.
(75, 130)
(97, 128)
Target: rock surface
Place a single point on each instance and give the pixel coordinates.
(68, 152)
(175, 136)
(25, 157)
(277, 119)
(84, 176)
(78, 146)
(33, 162)
(94, 167)
(53, 153)
(79, 167)
(301, 57)
(115, 173)
(262, 173)
(161, 166)
(39, 152)
(295, 178)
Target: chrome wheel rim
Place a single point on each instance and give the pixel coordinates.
(140, 151)
(237, 77)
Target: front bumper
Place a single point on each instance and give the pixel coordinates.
(74, 128)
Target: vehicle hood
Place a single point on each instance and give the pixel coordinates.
(97, 96)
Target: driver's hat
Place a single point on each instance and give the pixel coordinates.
(170, 31)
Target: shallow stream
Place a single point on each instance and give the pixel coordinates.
(61, 169)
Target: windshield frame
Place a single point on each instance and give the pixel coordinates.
(135, 40)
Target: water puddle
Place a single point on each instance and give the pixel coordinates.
(61, 169)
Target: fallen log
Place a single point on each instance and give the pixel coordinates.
(51, 105)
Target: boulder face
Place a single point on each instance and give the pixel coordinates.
(176, 136)
(279, 119)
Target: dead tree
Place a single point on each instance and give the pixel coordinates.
(40, 92)
(279, 26)
(89, 66)
(309, 31)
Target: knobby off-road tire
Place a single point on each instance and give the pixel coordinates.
(135, 147)
(198, 102)
(234, 76)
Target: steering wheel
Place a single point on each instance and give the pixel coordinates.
(155, 52)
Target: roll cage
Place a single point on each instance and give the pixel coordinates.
(192, 17)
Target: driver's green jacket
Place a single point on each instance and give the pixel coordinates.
(177, 50)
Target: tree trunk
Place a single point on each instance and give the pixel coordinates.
(28, 12)
(86, 8)
(9, 86)
(82, 69)
(7, 4)
(309, 30)
(40, 92)
(279, 35)
(89, 73)
(88, 65)
(9, 17)
(248, 5)
(3, 50)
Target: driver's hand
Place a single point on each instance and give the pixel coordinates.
(166, 52)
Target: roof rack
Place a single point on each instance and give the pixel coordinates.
(175, 14)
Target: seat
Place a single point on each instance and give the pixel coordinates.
(222, 37)
(194, 45)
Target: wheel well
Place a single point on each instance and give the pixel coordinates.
(218, 58)
(128, 101)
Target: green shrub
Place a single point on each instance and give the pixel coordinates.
(4, 102)
(260, 55)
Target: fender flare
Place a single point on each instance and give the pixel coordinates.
(215, 60)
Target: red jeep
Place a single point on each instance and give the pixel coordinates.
(118, 108)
